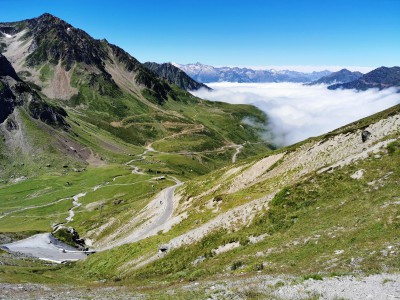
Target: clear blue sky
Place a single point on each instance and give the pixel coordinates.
(232, 32)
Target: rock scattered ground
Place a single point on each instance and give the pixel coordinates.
(358, 174)
(377, 287)
(40, 291)
(242, 214)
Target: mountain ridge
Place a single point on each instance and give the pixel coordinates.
(206, 74)
(56, 42)
(380, 78)
(342, 76)
(175, 76)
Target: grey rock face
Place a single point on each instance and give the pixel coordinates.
(365, 135)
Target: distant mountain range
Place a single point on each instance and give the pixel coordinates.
(380, 78)
(341, 76)
(175, 76)
(206, 74)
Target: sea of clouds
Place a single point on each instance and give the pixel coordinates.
(296, 111)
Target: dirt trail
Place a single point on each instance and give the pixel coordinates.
(238, 149)
(199, 127)
(32, 207)
(76, 204)
(46, 247)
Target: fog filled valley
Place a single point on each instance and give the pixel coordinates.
(297, 111)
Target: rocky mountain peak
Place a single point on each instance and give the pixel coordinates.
(47, 17)
(55, 40)
(344, 71)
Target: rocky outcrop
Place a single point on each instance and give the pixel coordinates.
(6, 68)
(51, 115)
(365, 134)
(14, 93)
(8, 101)
(69, 236)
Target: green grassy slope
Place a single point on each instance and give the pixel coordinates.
(35, 149)
(322, 224)
(328, 223)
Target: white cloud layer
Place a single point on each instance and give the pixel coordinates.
(296, 111)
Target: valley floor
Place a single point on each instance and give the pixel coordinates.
(377, 287)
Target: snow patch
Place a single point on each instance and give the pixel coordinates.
(6, 35)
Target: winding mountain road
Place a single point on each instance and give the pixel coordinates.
(154, 224)
(167, 198)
